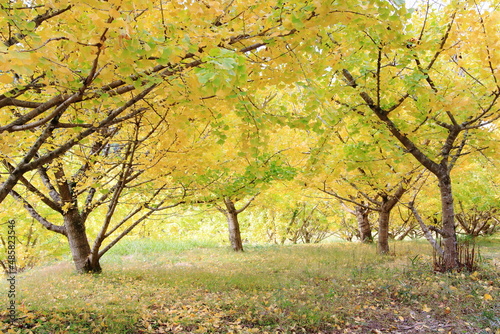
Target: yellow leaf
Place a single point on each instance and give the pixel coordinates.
(426, 308)
(487, 296)
(67, 206)
(114, 13)
(5, 78)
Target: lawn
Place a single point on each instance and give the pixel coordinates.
(160, 287)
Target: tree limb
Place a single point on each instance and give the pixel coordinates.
(426, 230)
(247, 204)
(33, 213)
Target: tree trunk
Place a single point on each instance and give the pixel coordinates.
(365, 229)
(78, 242)
(233, 226)
(383, 229)
(449, 234)
(387, 204)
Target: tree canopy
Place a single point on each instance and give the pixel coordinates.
(218, 99)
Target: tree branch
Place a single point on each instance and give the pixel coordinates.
(42, 171)
(38, 21)
(348, 200)
(247, 204)
(426, 230)
(33, 213)
(403, 139)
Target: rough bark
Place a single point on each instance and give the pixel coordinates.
(231, 214)
(383, 230)
(74, 224)
(365, 230)
(449, 233)
(233, 225)
(234, 233)
(385, 209)
(73, 228)
(78, 242)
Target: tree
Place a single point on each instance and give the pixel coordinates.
(61, 88)
(229, 183)
(362, 175)
(100, 178)
(69, 71)
(362, 213)
(232, 221)
(475, 222)
(429, 77)
(308, 223)
(72, 73)
(478, 207)
(378, 199)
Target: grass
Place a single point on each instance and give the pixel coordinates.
(156, 287)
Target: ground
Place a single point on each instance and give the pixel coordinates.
(326, 288)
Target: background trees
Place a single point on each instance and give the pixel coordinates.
(91, 63)
(240, 161)
(401, 72)
(74, 70)
(363, 178)
(252, 91)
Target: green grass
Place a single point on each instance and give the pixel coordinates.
(159, 287)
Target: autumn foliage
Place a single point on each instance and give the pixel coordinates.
(112, 111)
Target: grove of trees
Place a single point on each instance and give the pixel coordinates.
(297, 114)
